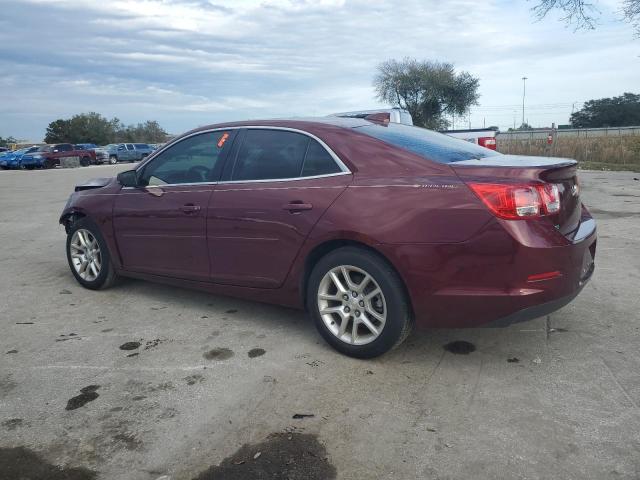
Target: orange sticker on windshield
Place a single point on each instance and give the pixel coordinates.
(223, 139)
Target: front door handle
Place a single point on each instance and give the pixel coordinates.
(190, 208)
(297, 206)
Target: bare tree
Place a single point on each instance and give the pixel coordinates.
(584, 15)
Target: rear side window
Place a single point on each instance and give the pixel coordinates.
(270, 155)
(318, 161)
(430, 145)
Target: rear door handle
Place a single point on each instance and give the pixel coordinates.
(297, 206)
(190, 208)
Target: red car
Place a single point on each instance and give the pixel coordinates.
(371, 226)
(50, 156)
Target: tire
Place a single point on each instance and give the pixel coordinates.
(83, 233)
(392, 304)
(85, 161)
(48, 164)
(113, 159)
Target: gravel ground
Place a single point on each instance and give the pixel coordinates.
(149, 382)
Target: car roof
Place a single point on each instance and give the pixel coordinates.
(339, 133)
(302, 123)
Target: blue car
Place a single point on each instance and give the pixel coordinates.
(13, 159)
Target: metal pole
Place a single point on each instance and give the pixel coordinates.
(524, 91)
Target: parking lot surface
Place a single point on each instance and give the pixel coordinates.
(145, 381)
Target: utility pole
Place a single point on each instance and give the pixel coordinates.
(524, 91)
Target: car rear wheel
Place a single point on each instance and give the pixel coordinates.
(85, 161)
(113, 159)
(358, 303)
(88, 256)
(49, 164)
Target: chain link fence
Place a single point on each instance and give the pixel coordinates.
(594, 148)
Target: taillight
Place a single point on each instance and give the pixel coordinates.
(518, 201)
(487, 142)
(550, 197)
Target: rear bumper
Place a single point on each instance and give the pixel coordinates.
(535, 311)
(485, 281)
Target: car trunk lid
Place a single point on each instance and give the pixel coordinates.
(528, 170)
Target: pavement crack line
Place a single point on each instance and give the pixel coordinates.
(615, 379)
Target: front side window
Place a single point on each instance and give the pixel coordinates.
(195, 159)
(277, 154)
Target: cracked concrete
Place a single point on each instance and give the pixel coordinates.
(535, 400)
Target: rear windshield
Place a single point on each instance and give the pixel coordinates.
(426, 143)
(141, 145)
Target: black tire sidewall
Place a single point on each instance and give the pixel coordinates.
(398, 312)
(87, 224)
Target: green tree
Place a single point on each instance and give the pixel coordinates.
(5, 142)
(524, 126)
(58, 131)
(428, 90)
(90, 128)
(619, 111)
(94, 128)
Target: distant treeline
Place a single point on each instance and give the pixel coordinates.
(94, 128)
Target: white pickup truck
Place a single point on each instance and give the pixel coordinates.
(485, 137)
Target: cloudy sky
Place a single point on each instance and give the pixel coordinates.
(192, 62)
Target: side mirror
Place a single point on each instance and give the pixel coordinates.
(128, 178)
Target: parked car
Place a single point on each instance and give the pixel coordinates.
(86, 146)
(13, 159)
(395, 115)
(3, 149)
(485, 137)
(370, 226)
(49, 156)
(123, 152)
(103, 153)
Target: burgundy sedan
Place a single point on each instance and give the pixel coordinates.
(370, 226)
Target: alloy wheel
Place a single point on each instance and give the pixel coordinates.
(85, 254)
(352, 305)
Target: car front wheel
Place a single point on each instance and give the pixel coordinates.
(113, 159)
(358, 303)
(88, 256)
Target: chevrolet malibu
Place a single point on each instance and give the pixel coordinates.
(371, 226)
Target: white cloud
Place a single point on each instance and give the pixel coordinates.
(191, 62)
